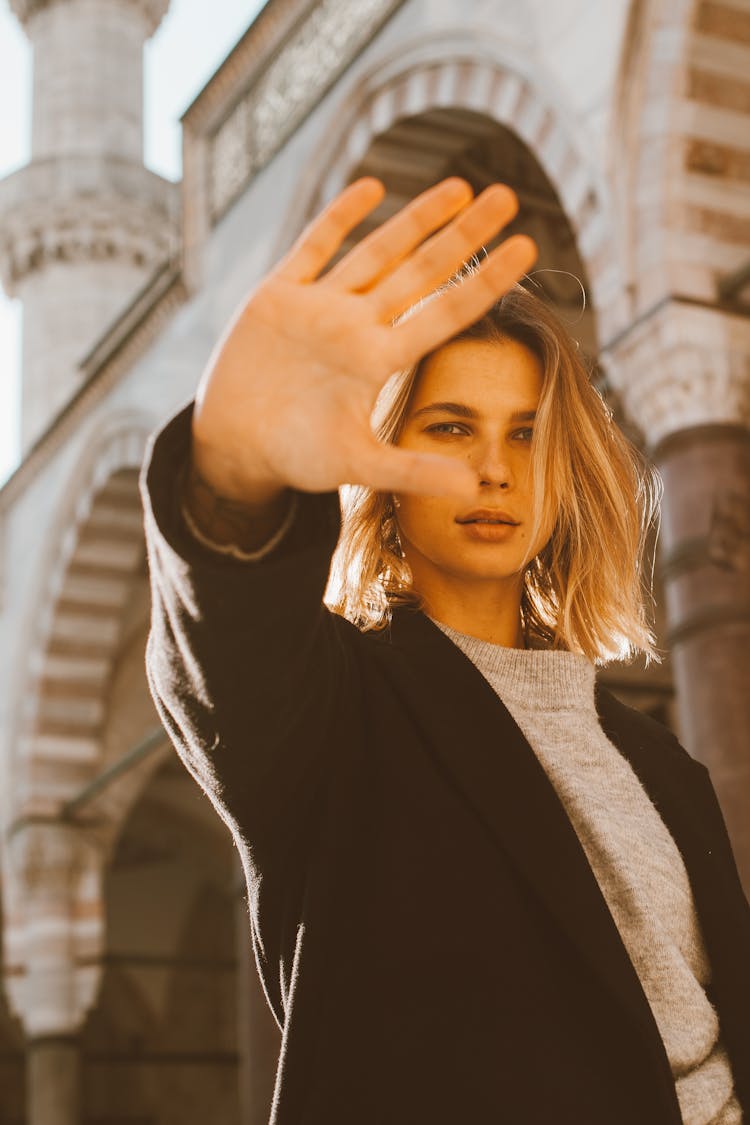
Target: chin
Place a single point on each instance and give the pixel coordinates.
(487, 572)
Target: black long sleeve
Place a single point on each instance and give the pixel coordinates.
(244, 662)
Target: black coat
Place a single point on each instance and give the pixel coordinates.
(428, 930)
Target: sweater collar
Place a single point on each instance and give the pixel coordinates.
(551, 680)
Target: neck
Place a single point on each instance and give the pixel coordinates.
(493, 619)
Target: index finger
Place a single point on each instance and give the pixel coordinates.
(322, 237)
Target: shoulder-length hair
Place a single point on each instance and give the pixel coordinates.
(585, 591)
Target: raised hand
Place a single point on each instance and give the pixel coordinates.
(287, 396)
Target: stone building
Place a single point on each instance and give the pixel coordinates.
(129, 991)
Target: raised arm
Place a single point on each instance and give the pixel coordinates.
(247, 668)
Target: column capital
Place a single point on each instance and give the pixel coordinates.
(53, 924)
(80, 209)
(153, 11)
(682, 364)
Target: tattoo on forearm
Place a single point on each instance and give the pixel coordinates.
(227, 521)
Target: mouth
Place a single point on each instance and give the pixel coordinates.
(488, 517)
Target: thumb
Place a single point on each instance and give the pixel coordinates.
(390, 469)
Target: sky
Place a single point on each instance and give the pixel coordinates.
(191, 42)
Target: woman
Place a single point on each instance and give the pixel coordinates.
(480, 888)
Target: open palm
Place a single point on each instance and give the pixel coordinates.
(287, 397)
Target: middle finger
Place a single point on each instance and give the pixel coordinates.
(439, 258)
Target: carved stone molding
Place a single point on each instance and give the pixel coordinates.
(422, 79)
(316, 52)
(104, 232)
(54, 925)
(684, 365)
(83, 209)
(95, 556)
(153, 11)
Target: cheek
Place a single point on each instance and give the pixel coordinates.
(419, 516)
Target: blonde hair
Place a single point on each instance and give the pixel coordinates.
(585, 590)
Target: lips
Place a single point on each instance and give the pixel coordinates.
(488, 515)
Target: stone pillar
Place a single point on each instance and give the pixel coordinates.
(88, 76)
(84, 225)
(53, 940)
(54, 1085)
(683, 373)
(705, 562)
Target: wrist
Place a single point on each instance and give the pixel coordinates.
(238, 479)
(226, 515)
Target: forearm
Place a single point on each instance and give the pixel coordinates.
(244, 663)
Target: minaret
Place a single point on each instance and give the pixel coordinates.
(84, 224)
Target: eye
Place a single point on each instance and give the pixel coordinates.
(451, 429)
(525, 434)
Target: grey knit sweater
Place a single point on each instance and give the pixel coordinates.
(632, 854)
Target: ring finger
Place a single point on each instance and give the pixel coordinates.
(386, 247)
(443, 254)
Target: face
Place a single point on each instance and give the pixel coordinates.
(475, 400)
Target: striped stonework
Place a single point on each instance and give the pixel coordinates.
(679, 355)
(97, 559)
(687, 98)
(496, 88)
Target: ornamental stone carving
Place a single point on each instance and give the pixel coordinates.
(152, 11)
(74, 209)
(312, 59)
(54, 925)
(63, 234)
(684, 365)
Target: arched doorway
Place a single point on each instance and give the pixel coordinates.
(417, 151)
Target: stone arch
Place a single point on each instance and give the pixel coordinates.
(96, 553)
(54, 862)
(679, 155)
(486, 79)
(470, 88)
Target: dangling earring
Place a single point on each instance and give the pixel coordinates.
(391, 539)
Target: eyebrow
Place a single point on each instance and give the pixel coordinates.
(461, 410)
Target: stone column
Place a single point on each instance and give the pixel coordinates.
(705, 561)
(683, 373)
(84, 225)
(54, 1081)
(53, 938)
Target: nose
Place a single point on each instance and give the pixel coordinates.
(492, 466)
